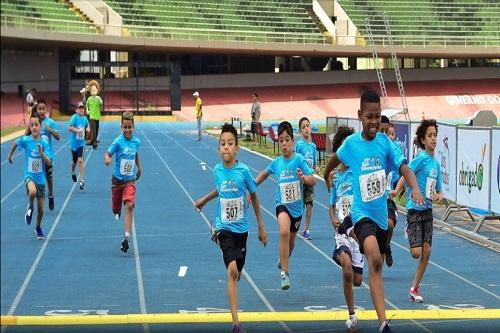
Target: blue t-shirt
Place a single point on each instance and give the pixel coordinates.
(34, 166)
(341, 195)
(368, 161)
(77, 140)
(44, 132)
(288, 186)
(308, 150)
(126, 150)
(232, 185)
(393, 171)
(428, 173)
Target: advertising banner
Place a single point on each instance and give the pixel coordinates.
(495, 171)
(473, 167)
(403, 137)
(446, 154)
(415, 149)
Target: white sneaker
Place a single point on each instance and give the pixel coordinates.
(352, 322)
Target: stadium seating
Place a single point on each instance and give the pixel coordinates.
(231, 20)
(43, 15)
(454, 22)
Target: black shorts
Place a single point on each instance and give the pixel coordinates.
(366, 227)
(392, 211)
(234, 247)
(308, 192)
(253, 127)
(294, 221)
(77, 153)
(419, 227)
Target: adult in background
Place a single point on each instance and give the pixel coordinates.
(94, 107)
(255, 114)
(31, 100)
(198, 104)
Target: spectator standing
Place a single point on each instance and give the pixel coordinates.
(255, 114)
(198, 105)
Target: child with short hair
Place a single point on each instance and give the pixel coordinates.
(78, 126)
(307, 148)
(36, 161)
(291, 171)
(368, 154)
(127, 169)
(346, 253)
(49, 129)
(233, 180)
(419, 217)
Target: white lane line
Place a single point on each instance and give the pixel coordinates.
(41, 252)
(22, 182)
(182, 271)
(207, 222)
(138, 272)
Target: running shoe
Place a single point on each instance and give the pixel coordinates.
(73, 176)
(117, 216)
(82, 184)
(285, 281)
(51, 203)
(352, 322)
(388, 257)
(306, 235)
(39, 233)
(29, 214)
(124, 247)
(414, 295)
(238, 329)
(386, 328)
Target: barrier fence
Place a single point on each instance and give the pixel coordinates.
(469, 157)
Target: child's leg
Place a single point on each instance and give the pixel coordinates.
(81, 168)
(39, 215)
(372, 253)
(50, 181)
(31, 191)
(308, 216)
(129, 216)
(422, 264)
(284, 245)
(347, 274)
(232, 290)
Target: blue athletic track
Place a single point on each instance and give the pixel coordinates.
(78, 280)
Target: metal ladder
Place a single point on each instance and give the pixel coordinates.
(399, 80)
(376, 62)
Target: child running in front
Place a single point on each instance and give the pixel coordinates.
(291, 171)
(346, 254)
(307, 148)
(78, 126)
(419, 217)
(36, 161)
(127, 169)
(233, 179)
(368, 154)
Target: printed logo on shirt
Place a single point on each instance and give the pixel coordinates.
(371, 163)
(228, 186)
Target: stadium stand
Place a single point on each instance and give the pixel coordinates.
(44, 15)
(475, 22)
(233, 20)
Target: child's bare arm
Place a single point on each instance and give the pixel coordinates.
(332, 164)
(107, 158)
(258, 215)
(11, 152)
(410, 178)
(139, 166)
(199, 203)
(261, 177)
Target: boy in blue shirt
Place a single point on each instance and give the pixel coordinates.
(233, 179)
(346, 254)
(127, 169)
(48, 129)
(291, 171)
(78, 126)
(36, 161)
(307, 148)
(419, 217)
(368, 155)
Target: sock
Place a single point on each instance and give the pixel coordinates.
(127, 234)
(283, 274)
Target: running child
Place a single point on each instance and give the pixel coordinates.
(233, 179)
(307, 148)
(367, 154)
(78, 126)
(36, 161)
(48, 129)
(127, 169)
(346, 254)
(291, 171)
(419, 217)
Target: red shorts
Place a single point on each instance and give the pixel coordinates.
(120, 193)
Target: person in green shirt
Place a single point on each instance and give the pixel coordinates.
(94, 107)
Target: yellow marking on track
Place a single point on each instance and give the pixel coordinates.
(177, 318)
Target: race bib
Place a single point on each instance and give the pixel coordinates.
(290, 192)
(310, 161)
(231, 209)
(127, 167)
(343, 207)
(430, 187)
(80, 135)
(372, 185)
(34, 165)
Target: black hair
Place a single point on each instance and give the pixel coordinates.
(422, 129)
(285, 126)
(384, 120)
(256, 95)
(302, 120)
(369, 96)
(33, 114)
(342, 133)
(231, 129)
(41, 100)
